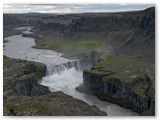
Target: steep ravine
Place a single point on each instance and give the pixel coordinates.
(114, 79)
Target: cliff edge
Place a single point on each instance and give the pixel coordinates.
(127, 81)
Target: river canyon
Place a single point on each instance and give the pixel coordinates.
(62, 74)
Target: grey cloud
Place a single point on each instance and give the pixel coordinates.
(72, 8)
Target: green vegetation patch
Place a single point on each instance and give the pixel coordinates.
(41, 109)
(20, 67)
(141, 87)
(34, 67)
(68, 46)
(7, 61)
(124, 68)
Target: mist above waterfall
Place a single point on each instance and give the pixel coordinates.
(64, 81)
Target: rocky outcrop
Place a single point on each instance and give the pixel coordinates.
(117, 92)
(53, 26)
(54, 104)
(21, 78)
(28, 86)
(102, 22)
(110, 86)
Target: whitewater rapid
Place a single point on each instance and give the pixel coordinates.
(66, 80)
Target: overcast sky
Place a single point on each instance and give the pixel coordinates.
(72, 8)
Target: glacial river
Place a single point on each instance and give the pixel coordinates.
(66, 80)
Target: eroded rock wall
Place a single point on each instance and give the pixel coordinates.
(117, 91)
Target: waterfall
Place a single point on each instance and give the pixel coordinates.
(52, 68)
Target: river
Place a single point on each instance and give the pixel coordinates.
(62, 74)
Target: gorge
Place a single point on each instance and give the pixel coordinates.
(110, 54)
(65, 78)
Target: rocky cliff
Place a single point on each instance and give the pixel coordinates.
(126, 32)
(28, 86)
(23, 96)
(121, 80)
(22, 78)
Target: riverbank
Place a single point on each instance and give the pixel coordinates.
(23, 96)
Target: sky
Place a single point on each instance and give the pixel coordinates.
(72, 8)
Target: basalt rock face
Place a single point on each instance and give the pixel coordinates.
(133, 32)
(21, 78)
(102, 22)
(121, 90)
(111, 86)
(28, 86)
